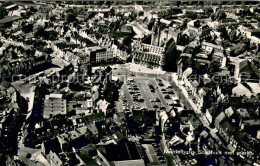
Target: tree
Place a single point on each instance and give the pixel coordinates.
(108, 3)
(91, 15)
(246, 41)
(178, 3)
(27, 28)
(208, 11)
(221, 14)
(252, 46)
(8, 3)
(184, 24)
(141, 13)
(70, 17)
(48, 50)
(99, 3)
(191, 15)
(150, 25)
(40, 32)
(3, 12)
(132, 16)
(239, 51)
(223, 33)
(112, 12)
(183, 39)
(232, 35)
(243, 6)
(225, 44)
(213, 17)
(127, 41)
(33, 9)
(214, 66)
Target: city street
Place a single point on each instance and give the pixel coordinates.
(24, 151)
(129, 83)
(181, 91)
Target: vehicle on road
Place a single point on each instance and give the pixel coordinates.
(161, 84)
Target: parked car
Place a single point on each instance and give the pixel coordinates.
(155, 106)
(161, 84)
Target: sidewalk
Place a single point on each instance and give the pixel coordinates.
(195, 108)
(185, 93)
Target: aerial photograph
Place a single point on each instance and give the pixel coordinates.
(129, 83)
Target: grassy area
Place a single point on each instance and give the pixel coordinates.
(247, 69)
(235, 102)
(140, 116)
(169, 159)
(70, 45)
(228, 20)
(118, 35)
(238, 135)
(108, 94)
(119, 136)
(88, 160)
(95, 116)
(245, 144)
(154, 163)
(225, 125)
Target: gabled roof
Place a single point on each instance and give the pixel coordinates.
(55, 158)
(243, 113)
(195, 83)
(187, 72)
(202, 92)
(11, 89)
(220, 118)
(92, 128)
(241, 90)
(229, 112)
(14, 105)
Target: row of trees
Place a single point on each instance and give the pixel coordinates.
(3, 11)
(219, 15)
(47, 35)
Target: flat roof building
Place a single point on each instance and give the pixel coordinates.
(54, 105)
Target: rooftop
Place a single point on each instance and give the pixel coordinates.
(9, 19)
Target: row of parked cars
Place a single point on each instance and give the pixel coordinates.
(169, 94)
(135, 92)
(159, 153)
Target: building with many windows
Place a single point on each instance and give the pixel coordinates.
(151, 49)
(98, 54)
(54, 105)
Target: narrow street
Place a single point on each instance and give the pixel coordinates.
(187, 102)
